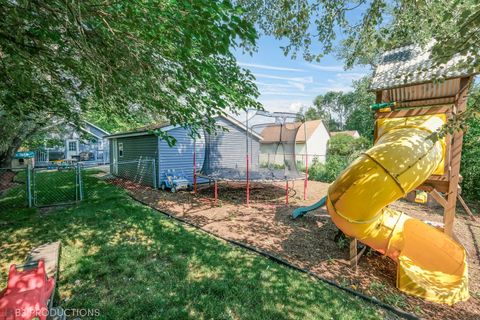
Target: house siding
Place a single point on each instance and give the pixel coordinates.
(180, 156)
(228, 149)
(95, 131)
(130, 166)
(316, 146)
(316, 149)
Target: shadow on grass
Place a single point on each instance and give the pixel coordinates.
(127, 261)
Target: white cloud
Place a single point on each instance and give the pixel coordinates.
(269, 67)
(298, 85)
(326, 68)
(283, 93)
(272, 85)
(296, 106)
(278, 104)
(305, 80)
(333, 87)
(350, 75)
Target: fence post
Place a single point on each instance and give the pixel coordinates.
(29, 186)
(80, 182)
(76, 184)
(154, 172)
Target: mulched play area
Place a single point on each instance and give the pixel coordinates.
(308, 242)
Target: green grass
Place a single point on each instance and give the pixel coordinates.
(55, 187)
(48, 188)
(130, 262)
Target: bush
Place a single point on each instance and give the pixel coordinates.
(470, 166)
(342, 149)
(328, 171)
(346, 145)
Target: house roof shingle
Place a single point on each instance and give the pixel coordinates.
(271, 133)
(167, 126)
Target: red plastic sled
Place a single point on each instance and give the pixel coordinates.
(27, 294)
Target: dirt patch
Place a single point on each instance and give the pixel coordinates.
(6, 180)
(308, 242)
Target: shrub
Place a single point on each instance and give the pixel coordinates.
(328, 171)
(470, 166)
(346, 145)
(342, 149)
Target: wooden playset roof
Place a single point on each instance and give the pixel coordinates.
(411, 65)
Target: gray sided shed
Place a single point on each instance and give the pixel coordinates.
(133, 158)
(133, 152)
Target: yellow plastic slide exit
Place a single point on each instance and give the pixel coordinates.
(431, 265)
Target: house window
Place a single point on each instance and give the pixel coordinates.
(120, 149)
(21, 161)
(72, 146)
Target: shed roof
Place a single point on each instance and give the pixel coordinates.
(165, 126)
(413, 65)
(294, 132)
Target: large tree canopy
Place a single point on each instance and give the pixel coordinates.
(346, 110)
(361, 29)
(171, 59)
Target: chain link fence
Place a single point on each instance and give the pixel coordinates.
(134, 176)
(56, 186)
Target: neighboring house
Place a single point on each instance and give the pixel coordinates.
(352, 133)
(128, 148)
(311, 138)
(85, 143)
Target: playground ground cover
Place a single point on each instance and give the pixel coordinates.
(309, 243)
(127, 261)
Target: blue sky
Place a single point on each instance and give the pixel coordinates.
(286, 84)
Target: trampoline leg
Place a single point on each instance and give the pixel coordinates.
(216, 192)
(286, 192)
(248, 183)
(194, 170)
(305, 184)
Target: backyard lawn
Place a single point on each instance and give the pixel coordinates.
(130, 262)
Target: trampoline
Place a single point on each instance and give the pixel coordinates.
(261, 149)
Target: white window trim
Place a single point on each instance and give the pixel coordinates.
(71, 142)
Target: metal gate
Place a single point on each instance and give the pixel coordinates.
(56, 186)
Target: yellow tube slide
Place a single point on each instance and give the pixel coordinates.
(431, 265)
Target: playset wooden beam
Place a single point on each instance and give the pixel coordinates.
(466, 208)
(439, 198)
(455, 159)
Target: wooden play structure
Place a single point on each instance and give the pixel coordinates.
(415, 99)
(408, 92)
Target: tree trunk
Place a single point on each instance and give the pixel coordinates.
(13, 136)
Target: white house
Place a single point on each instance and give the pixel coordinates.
(311, 139)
